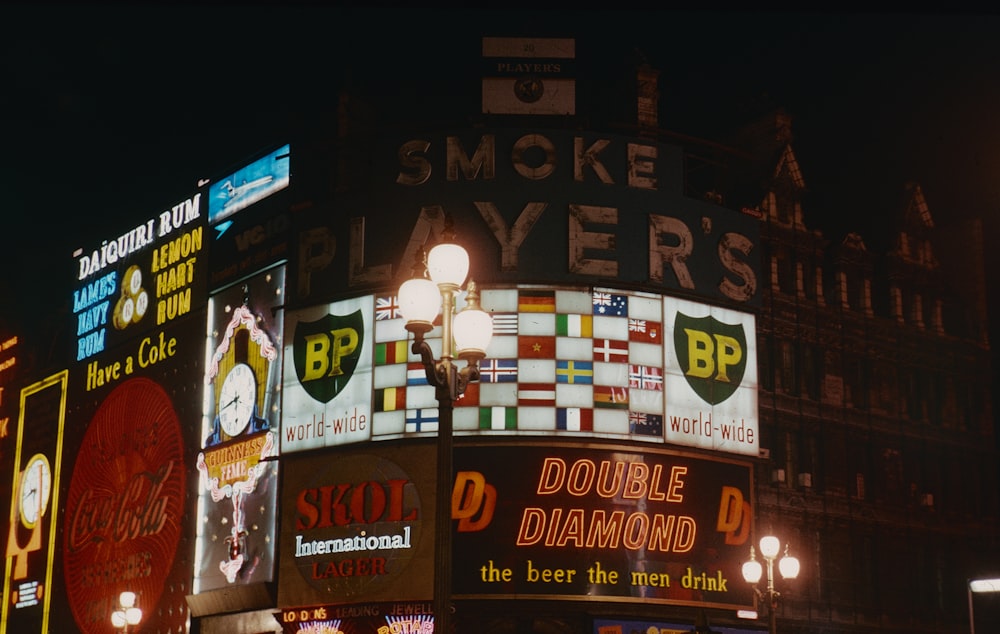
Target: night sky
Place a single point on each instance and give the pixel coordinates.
(110, 112)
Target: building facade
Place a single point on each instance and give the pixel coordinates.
(237, 430)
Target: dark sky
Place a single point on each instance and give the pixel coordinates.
(111, 111)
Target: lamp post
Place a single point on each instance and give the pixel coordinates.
(752, 570)
(126, 613)
(464, 334)
(979, 586)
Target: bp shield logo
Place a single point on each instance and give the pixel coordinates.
(326, 352)
(711, 354)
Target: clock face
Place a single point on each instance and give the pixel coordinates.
(237, 398)
(36, 486)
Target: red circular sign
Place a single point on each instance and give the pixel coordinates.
(125, 505)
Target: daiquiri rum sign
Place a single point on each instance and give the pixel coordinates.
(125, 506)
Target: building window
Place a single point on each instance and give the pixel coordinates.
(812, 375)
(835, 471)
(789, 372)
(786, 273)
(766, 364)
(858, 379)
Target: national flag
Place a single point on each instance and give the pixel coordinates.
(422, 419)
(529, 76)
(504, 323)
(610, 350)
(575, 325)
(578, 372)
(645, 331)
(610, 304)
(536, 301)
(536, 347)
(645, 424)
(645, 378)
(497, 418)
(390, 352)
(575, 419)
(498, 370)
(416, 374)
(610, 397)
(539, 394)
(388, 399)
(469, 397)
(387, 308)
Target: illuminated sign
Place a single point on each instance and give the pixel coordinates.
(34, 507)
(585, 362)
(711, 377)
(125, 506)
(600, 522)
(238, 476)
(327, 395)
(554, 205)
(127, 288)
(357, 527)
(249, 184)
(368, 618)
(8, 357)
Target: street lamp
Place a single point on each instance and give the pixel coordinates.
(979, 586)
(464, 334)
(127, 613)
(752, 570)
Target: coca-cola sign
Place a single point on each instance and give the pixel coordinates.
(125, 504)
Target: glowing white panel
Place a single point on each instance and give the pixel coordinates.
(610, 327)
(574, 302)
(710, 377)
(537, 324)
(574, 348)
(328, 368)
(574, 396)
(536, 371)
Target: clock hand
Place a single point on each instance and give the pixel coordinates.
(235, 399)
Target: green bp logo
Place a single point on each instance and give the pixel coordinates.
(326, 352)
(711, 354)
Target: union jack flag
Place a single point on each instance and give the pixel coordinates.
(386, 308)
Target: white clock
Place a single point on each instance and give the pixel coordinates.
(237, 398)
(35, 488)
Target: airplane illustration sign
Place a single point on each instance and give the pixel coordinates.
(249, 184)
